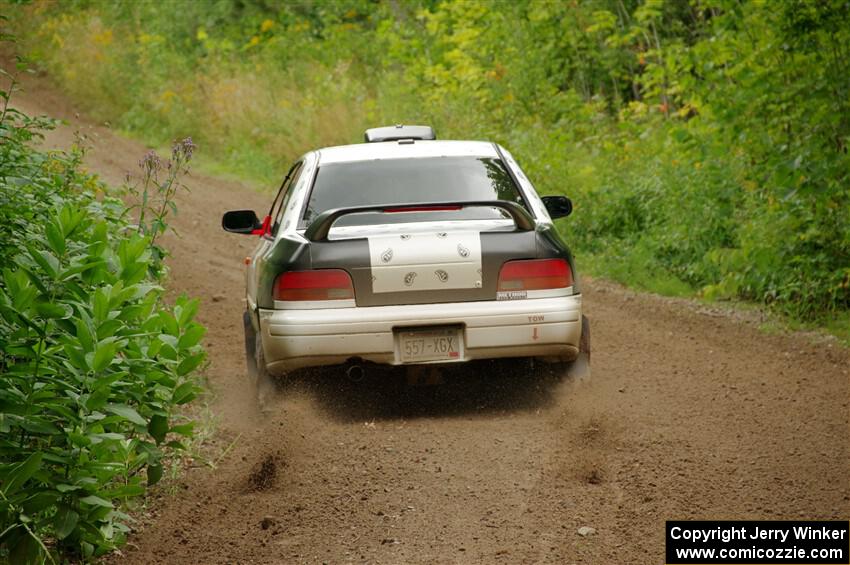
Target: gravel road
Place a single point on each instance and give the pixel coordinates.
(691, 413)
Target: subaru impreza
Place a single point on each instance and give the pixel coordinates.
(406, 250)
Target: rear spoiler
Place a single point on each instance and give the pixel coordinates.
(319, 228)
(399, 132)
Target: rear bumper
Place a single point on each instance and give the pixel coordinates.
(541, 327)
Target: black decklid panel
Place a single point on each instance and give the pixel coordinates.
(353, 255)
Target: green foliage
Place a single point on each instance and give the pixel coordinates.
(705, 143)
(93, 364)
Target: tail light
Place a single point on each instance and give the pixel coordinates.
(537, 274)
(322, 284)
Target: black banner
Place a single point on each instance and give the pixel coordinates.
(758, 542)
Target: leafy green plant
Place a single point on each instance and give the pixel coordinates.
(94, 366)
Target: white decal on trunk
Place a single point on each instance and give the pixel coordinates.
(425, 261)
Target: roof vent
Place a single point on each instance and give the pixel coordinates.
(399, 132)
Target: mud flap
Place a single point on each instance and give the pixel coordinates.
(250, 345)
(579, 370)
(264, 383)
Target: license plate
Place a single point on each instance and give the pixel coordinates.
(431, 344)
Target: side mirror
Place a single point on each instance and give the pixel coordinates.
(241, 221)
(558, 206)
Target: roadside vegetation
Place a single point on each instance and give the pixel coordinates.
(705, 143)
(94, 365)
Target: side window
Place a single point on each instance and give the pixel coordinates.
(279, 204)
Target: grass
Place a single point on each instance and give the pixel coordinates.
(263, 182)
(636, 270)
(837, 326)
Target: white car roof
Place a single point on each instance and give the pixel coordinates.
(404, 150)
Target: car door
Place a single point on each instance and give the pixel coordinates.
(271, 225)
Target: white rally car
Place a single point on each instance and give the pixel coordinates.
(405, 250)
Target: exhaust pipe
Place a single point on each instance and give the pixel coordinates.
(355, 373)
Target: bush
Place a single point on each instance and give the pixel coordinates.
(93, 364)
(704, 143)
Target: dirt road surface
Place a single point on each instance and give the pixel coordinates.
(690, 414)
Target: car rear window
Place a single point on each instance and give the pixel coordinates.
(412, 181)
